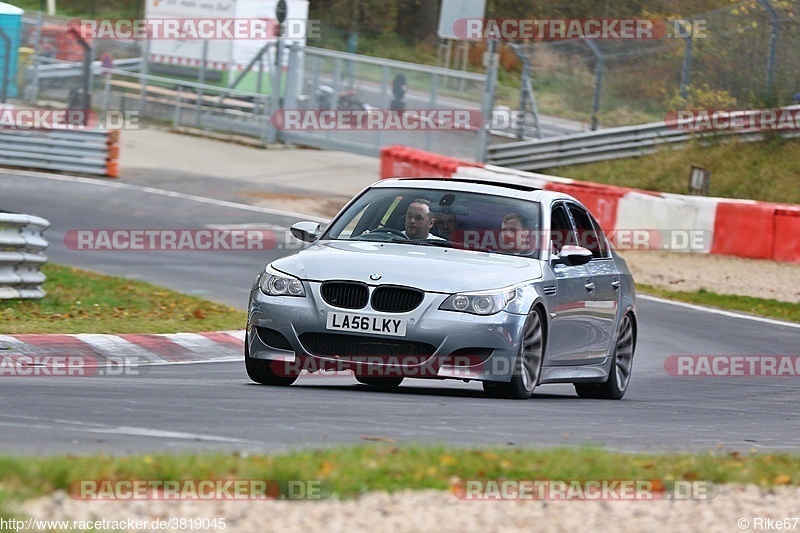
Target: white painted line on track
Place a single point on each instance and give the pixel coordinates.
(721, 312)
(162, 192)
(72, 425)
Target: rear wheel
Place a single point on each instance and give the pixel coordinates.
(528, 366)
(620, 374)
(260, 371)
(385, 384)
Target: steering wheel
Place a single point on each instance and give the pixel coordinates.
(390, 231)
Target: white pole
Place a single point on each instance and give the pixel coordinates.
(51, 7)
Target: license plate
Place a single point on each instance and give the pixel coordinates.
(376, 325)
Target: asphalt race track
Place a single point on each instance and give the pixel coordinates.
(198, 407)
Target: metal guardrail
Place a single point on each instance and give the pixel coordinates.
(21, 255)
(70, 69)
(612, 143)
(83, 151)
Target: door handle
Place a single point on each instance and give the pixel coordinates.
(589, 286)
(616, 284)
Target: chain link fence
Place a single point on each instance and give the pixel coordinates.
(741, 56)
(228, 98)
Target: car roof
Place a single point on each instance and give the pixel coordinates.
(505, 186)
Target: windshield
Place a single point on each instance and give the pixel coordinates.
(439, 217)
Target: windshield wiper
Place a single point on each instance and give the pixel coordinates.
(425, 242)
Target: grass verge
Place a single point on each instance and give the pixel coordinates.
(765, 171)
(759, 306)
(79, 301)
(348, 472)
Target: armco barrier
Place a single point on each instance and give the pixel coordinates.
(742, 228)
(615, 143)
(84, 151)
(21, 255)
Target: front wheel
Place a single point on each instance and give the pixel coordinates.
(528, 366)
(260, 371)
(619, 376)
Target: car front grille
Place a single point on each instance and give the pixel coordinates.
(331, 344)
(396, 299)
(345, 295)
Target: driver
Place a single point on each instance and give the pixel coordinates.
(418, 219)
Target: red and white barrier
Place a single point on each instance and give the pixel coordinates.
(743, 228)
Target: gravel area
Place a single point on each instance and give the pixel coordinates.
(429, 510)
(716, 273)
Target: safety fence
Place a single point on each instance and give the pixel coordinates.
(21, 255)
(85, 151)
(743, 228)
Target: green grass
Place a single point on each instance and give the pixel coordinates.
(79, 301)
(348, 472)
(768, 171)
(747, 304)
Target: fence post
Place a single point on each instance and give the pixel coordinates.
(37, 48)
(88, 53)
(144, 71)
(488, 102)
(526, 95)
(686, 69)
(773, 42)
(432, 104)
(293, 76)
(598, 83)
(198, 115)
(6, 65)
(176, 118)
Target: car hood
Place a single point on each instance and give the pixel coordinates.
(425, 267)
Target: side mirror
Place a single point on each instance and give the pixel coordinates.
(306, 231)
(573, 256)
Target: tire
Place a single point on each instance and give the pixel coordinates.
(619, 376)
(384, 384)
(528, 366)
(260, 371)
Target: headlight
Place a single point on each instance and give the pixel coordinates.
(274, 283)
(479, 303)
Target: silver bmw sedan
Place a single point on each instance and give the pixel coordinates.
(455, 278)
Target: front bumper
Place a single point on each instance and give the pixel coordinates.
(292, 332)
